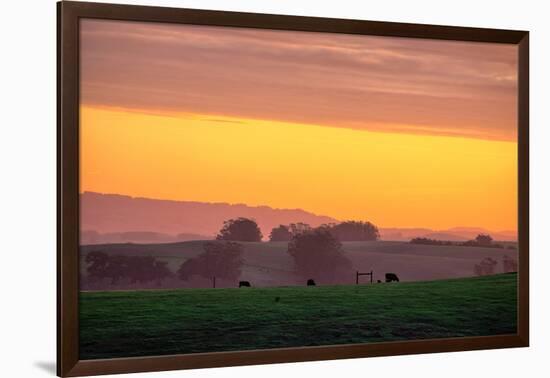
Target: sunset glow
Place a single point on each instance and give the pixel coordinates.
(399, 132)
(392, 179)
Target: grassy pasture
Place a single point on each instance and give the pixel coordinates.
(161, 322)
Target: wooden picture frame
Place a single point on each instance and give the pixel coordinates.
(69, 16)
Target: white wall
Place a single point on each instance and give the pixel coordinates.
(27, 200)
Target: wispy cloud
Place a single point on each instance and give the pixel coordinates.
(328, 79)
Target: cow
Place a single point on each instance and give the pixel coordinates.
(378, 281)
(310, 282)
(391, 277)
(244, 283)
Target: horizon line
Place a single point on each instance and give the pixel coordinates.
(297, 209)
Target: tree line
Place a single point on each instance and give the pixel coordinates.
(344, 231)
(135, 269)
(247, 230)
(316, 253)
(481, 240)
(218, 259)
(488, 265)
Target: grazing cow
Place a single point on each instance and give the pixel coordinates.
(391, 277)
(244, 283)
(310, 282)
(378, 281)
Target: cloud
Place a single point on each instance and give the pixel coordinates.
(336, 80)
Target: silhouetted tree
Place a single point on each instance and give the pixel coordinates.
(281, 233)
(428, 241)
(219, 259)
(353, 231)
(318, 255)
(240, 229)
(97, 265)
(299, 228)
(117, 267)
(485, 267)
(161, 271)
(484, 239)
(146, 269)
(481, 241)
(188, 268)
(139, 268)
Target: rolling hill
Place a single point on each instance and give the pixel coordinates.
(113, 218)
(113, 213)
(268, 264)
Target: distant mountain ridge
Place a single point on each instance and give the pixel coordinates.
(451, 234)
(115, 218)
(89, 237)
(121, 214)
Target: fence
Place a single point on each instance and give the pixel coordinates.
(357, 274)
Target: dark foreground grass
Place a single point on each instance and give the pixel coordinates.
(137, 323)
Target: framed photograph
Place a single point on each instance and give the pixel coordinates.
(239, 188)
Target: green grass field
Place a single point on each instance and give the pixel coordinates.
(137, 323)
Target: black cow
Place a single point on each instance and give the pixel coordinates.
(310, 282)
(391, 277)
(378, 281)
(244, 283)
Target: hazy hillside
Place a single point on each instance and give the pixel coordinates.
(112, 213)
(113, 218)
(88, 237)
(452, 234)
(269, 264)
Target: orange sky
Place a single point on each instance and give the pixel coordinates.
(404, 133)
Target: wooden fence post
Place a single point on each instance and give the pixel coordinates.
(357, 274)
